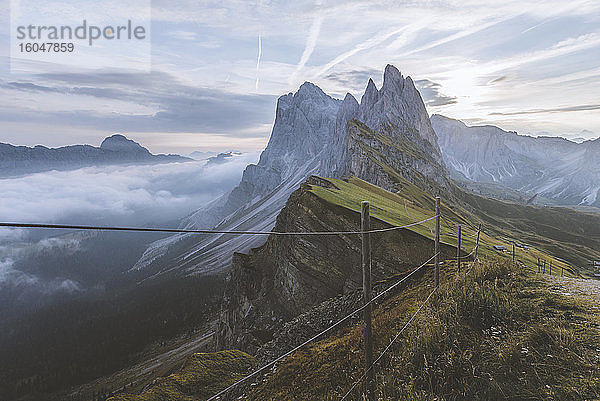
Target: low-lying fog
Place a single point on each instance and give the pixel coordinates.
(41, 262)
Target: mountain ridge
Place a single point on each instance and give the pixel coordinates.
(115, 149)
(555, 168)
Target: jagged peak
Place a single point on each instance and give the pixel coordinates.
(393, 81)
(371, 94)
(391, 74)
(310, 89)
(349, 99)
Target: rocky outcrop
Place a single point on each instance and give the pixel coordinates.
(116, 149)
(399, 106)
(555, 168)
(288, 275)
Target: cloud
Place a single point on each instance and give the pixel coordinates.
(117, 194)
(156, 195)
(311, 43)
(183, 35)
(352, 78)
(583, 107)
(12, 277)
(133, 102)
(258, 56)
(365, 45)
(499, 79)
(430, 91)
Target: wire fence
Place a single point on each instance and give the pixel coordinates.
(366, 306)
(187, 231)
(318, 335)
(386, 349)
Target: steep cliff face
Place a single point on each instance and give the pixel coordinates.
(304, 125)
(288, 275)
(397, 105)
(304, 122)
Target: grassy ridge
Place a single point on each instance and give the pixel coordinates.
(492, 332)
(412, 204)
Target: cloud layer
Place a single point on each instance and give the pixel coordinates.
(131, 194)
(157, 195)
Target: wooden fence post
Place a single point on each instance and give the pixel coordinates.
(477, 243)
(437, 242)
(513, 253)
(458, 243)
(367, 296)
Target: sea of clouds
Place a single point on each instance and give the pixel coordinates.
(111, 195)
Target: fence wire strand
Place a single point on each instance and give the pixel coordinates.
(316, 336)
(186, 231)
(389, 345)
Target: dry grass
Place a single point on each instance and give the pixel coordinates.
(495, 333)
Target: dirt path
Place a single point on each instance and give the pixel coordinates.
(586, 289)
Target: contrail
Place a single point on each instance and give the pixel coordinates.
(311, 43)
(258, 60)
(367, 44)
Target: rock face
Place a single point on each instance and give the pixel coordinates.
(304, 125)
(399, 106)
(288, 275)
(388, 135)
(116, 149)
(555, 168)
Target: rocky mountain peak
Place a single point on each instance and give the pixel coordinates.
(308, 89)
(119, 143)
(386, 137)
(348, 108)
(392, 79)
(399, 106)
(371, 95)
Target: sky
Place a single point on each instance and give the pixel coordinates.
(218, 67)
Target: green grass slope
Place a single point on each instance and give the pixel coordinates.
(503, 223)
(203, 375)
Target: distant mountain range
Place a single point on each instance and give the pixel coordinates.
(563, 171)
(116, 149)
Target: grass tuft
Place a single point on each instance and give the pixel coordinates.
(203, 375)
